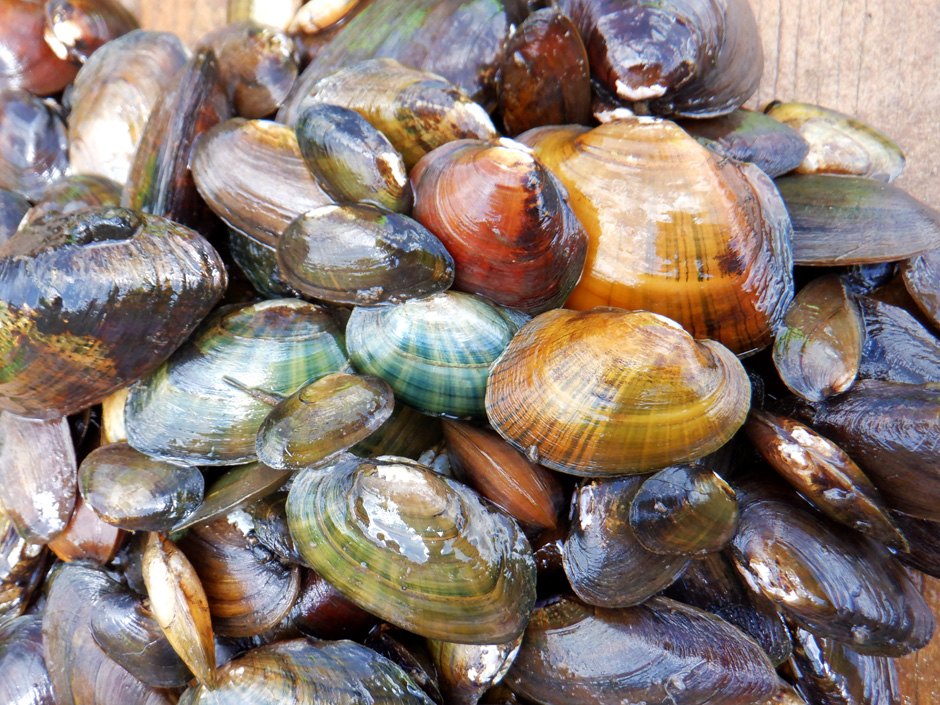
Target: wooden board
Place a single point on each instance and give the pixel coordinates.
(876, 59)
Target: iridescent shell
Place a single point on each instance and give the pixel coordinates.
(674, 228)
(415, 548)
(610, 392)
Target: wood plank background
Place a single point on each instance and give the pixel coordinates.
(876, 59)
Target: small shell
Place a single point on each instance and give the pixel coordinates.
(26, 60)
(317, 15)
(611, 392)
(921, 277)
(466, 671)
(78, 28)
(87, 538)
(33, 144)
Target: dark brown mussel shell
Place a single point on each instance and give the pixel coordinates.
(487, 463)
(840, 220)
(252, 175)
(136, 492)
(821, 471)
(79, 27)
(302, 671)
(897, 347)
(249, 591)
(25, 678)
(697, 58)
(506, 221)
(750, 136)
(828, 579)
(373, 527)
(160, 180)
(818, 350)
(38, 469)
(840, 144)
(22, 569)
(410, 652)
(893, 432)
(463, 40)
(712, 584)
(322, 419)
(269, 515)
(660, 651)
(26, 60)
(362, 254)
(75, 193)
(144, 278)
(684, 509)
(256, 65)
(123, 626)
(831, 673)
(80, 671)
(33, 143)
(545, 78)
(924, 539)
(87, 538)
(13, 207)
(605, 563)
(416, 110)
(351, 159)
(921, 276)
(112, 98)
(195, 408)
(732, 279)
(321, 611)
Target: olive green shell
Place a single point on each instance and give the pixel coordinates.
(415, 548)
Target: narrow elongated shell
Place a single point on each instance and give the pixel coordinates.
(605, 563)
(819, 348)
(419, 550)
(824, 475)
(434, 352)
(610, 392)
(25, 678)
(322, 419)
(841, 220)
(674, 228)
(22, 569)
(417, 110)
(187, 411)
(505, 219)
(362, 254)
(658, 652)
(840, 144)
(140, 273)
(922, 281)
(829, 580)
(305, 672)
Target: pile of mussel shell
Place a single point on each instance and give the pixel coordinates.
(454, 352)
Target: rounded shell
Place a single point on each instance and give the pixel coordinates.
(609, 392)
(415, 548)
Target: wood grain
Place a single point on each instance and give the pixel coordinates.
(876, 59)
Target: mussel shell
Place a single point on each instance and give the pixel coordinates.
(823, 473)
(13, 207)
(407, 434)
(269, 515)
(435, 352)
(897, 347)
(840, 144)
(611, 392)
(25, 678)
(351, 159)
(22, 570)
(135, 492)
(415, 109)
(920, 276)
(924, 539)
(415, 548)
(252, 175)
(81, 27)
(466, 671)
(685, 509)
(658, 652)
(80, 671)
(605, 563)
(322, 612)
(818, 349)
(26, 60)
(505, 219)
(840, 220)
(112, 97)
(87, 538)
(411, 653)
(750, 136)
(258, 263)
(188, 411)
(362, 254)
(645, 190)
(308, 672)
(75, 193)
(545, 78)
(33, 143)
(829, 580)
(143, 278)
(322, 419)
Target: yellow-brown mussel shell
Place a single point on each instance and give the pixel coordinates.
(674, 228)
(609, 392)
